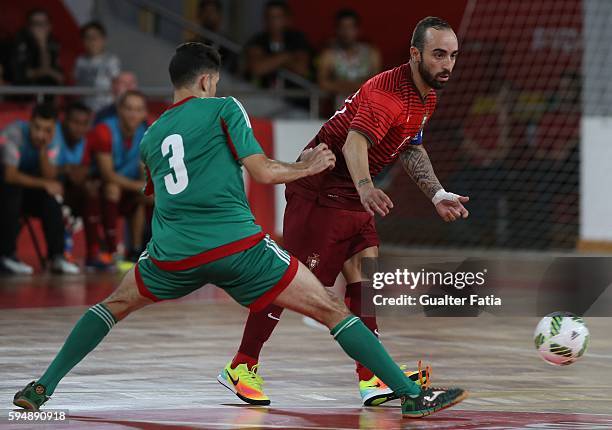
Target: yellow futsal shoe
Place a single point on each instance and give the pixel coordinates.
(375, 392)
(245, 383)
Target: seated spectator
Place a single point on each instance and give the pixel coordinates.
(347, 63)
(96, 68)
(81, 190)
(210, 17)
(125, 81)
(29, 187)
(278, 47)
(34, 59)
(114, 144)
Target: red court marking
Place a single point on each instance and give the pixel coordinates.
(56, 291)
(327, 418)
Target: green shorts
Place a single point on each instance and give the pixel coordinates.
(253, 277)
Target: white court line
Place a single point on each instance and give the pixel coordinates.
(316, 397)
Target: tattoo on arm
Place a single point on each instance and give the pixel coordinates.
(363, 182)
(417, 164)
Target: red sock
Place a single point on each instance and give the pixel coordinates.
(110, 216)
(257, 330)
(353, 300)
(91, 220)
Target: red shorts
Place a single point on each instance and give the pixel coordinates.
(323, 238)
(129, 202)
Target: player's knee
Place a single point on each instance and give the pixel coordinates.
(331, 310)
(121, 307)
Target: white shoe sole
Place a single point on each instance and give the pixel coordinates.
(233, 389)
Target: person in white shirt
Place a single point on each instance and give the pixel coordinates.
(96, 68)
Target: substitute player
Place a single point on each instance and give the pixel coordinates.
(329, 218)
(204, 232)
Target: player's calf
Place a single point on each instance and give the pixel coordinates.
(88, 332)
(307, 296)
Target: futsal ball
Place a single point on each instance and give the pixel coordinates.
(561, 338)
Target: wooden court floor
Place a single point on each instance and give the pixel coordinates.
(157, 369)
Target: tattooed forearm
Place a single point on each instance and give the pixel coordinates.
(418, 166)
(363, 182)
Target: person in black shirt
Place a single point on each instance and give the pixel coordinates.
(34, 59)
(278, 47)
(210, 17)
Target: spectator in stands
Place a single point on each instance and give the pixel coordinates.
(114, 144)
(29, 187)
(81, 190)
(125, 81)
(278, 47)
(35, 55)
(210, 17)
(347, 63)
(487, 136)
(96, 68)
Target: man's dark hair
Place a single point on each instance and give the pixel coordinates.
(278, 3)
(37, 11)
(347, 13)
(204, 3)
(93, 25)
(418, 36)
(129, 93)
(190, 60)
(44, 110)
(77, 106)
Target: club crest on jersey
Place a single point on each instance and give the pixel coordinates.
(313, 261)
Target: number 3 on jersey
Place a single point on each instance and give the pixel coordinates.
(177, 182)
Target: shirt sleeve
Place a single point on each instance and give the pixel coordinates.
(99, 139)
(53, 152)
(114, 66)
(11, 139)
(377, 113)
(238, 131)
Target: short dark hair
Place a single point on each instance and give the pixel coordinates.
(347, 13)
(93, 25)
(77, 106)
(44, 110)
(190, 60)
(204, 3)
(278, 3)
(37, 11)
(418, 36)
(129, 93)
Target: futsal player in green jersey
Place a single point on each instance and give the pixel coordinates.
(204, 232)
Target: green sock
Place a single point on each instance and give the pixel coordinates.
(362, 346)
(88, 332)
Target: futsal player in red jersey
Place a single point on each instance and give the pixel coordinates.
(329, 218)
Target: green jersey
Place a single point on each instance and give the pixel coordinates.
(192, 156)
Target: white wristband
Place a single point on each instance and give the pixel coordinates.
(442, 194)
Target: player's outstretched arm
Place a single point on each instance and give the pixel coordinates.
(267, 171)
(355, 151)
(417, 164)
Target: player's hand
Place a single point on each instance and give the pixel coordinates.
(318, 159)
(375, 200)
(450, 207)
(54, 188)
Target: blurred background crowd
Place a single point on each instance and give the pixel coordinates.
(81, 80)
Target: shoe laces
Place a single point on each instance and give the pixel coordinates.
(424, 375)
(252, 375)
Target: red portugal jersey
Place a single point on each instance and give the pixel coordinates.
(390, 112)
